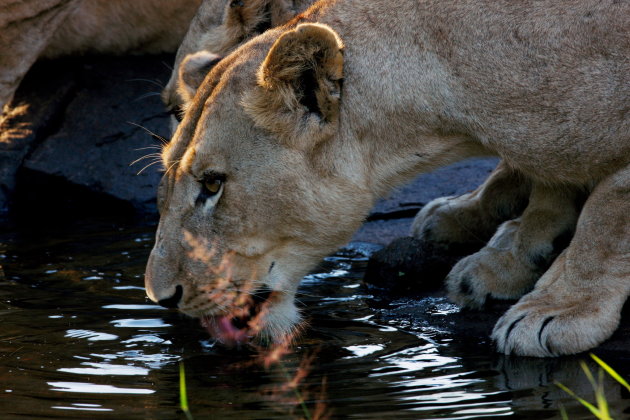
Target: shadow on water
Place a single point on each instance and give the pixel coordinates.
(80, 339)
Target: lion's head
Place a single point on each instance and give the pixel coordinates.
(217, 29)
(252, 197)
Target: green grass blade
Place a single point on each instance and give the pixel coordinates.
(582, 401)
(600, 397)
(611, 371)
(588, 374)
(563, 413)
(183, 396)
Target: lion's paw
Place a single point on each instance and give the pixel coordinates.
(438, 222)
(495, 271)
(468, 282)
(488, 273)
(543, 325)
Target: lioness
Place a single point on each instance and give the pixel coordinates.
(217, 29)
(30, 29)
(291, 139)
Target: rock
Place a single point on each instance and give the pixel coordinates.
(382, 232)
(107, 125)
(406, 264)
(411, 266)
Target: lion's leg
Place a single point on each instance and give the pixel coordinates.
(577, 303)
(469, 220)
(519, 252)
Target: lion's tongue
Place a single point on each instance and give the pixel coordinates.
(223, 329)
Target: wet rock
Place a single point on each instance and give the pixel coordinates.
(411, 266)
(382, 232)
(106, 126)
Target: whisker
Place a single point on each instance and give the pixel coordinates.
(284, 292)
(157, 136)
(220, 307)
(172, 165)
(155, 82)
(155, 146)
(150, 164)
(145, 96)
(151, 155)
(308, 295)
(167, 66)
(301, 302)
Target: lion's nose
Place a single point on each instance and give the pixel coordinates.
(173, 301)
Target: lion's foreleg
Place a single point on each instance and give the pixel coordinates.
(469, 220)
(577, 303)
(520, 251)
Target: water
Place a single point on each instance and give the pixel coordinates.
(79, 339)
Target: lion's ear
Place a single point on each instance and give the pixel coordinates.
(248, 17)
(193, 70)
(299, 86)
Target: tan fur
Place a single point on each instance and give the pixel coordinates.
(32, 29)
(520, 251)
(471, 219)
(309, 48)
(217, 29)
(543, 85)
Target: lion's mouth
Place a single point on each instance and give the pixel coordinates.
(243, 324)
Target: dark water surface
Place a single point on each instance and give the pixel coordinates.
(79, 339)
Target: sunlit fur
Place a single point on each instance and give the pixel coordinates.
(543, 85)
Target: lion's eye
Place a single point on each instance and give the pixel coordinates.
(211, 183)
(212, 186)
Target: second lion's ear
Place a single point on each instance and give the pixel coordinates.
(192, 71)
(299, 86)
(246, 18)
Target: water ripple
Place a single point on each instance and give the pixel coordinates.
(140, 323)
(106, 369)
(90, 335)
(88, 388)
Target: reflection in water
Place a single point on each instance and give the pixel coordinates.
(79, 335)
(364, 350)
(90, 335)
(87, 388)
(411, 361)
(132, 307)
(106, 369)
(146, 338)
(140, 323)
(82, 407)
